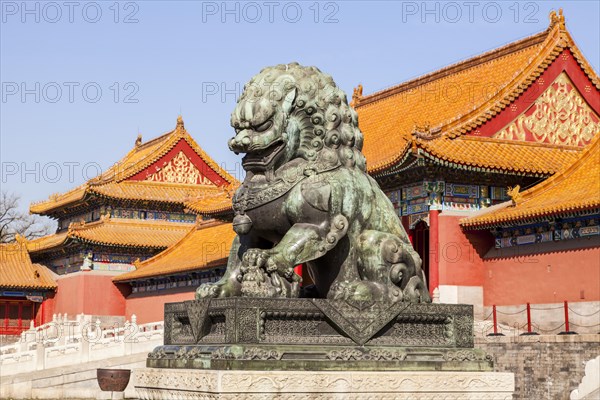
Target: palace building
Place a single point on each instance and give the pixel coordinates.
(450, 143)
(492, 164)
(134, 210)
(130, 213)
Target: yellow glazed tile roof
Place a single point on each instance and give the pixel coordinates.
(454, 100)
(154, 191)
(112, 183)
(116, 232)
(519, 157)
(206, 246)
(214, 202)
(577, 187)
(17, 271)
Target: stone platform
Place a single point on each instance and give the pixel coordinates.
(252, 348)
(158, 383)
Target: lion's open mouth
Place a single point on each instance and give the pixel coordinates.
(260, 160)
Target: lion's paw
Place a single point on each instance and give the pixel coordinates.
(254, 258)
(207, 290)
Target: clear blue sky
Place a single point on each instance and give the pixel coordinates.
(189, 57)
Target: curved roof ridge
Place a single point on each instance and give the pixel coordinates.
(557, 40)
(454, 68)
(142, 223)
(574, 181)
(153, 141)
(589, 151)
(17, 270)
(195, 251)
(76, 230)
(510, 142)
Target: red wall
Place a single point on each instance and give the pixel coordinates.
(149, 306)
(86, 292)
(544, 273)
(460, 254)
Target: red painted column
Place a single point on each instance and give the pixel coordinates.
(20, 323)
(6, 309)
(434, 271)
(42, 310)
(406, 226)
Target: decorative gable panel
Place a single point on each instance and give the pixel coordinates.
(181, 165)
(179, 170)
(560, 115)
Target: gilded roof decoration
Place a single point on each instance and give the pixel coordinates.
(559, 116)
(180, 170)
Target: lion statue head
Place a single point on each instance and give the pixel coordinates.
(290, 112)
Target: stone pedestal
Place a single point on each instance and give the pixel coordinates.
(250, 348)
(160, 383)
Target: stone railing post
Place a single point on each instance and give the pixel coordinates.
(85, 349)
(40, 357)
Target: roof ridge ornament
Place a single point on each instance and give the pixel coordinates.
(74, 225)
(180, 126)
(357, 95)
(20, 239)
(514, 194)
(138, 141)
(557, 19)
(425, 131)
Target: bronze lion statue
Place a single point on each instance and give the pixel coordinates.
(307, 199)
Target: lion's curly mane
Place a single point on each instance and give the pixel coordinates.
(320, 114)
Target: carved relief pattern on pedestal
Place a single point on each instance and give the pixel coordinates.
(247, 319)
(359, 321)
(216, 329)
(559, 116)
(194, 384)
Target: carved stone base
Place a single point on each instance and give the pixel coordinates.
(312, 322)
(155, 384)
(318, 358)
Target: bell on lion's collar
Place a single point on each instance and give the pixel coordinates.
(242, 224)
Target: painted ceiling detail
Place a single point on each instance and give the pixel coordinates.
(559, 116)
(179, 170)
